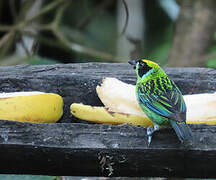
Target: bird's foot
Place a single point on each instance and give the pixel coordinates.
(156, 127)
(150, 131)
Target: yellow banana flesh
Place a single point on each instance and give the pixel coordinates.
(201, 108)
(121, 106)
(103, 115)
(34, 107)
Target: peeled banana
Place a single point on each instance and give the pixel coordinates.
(119, 96)
(103, 115)
(35, 107)
(121, 106)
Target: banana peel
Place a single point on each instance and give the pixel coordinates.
(121, 106)
(34, 107)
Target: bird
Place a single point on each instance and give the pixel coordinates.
(160, 99)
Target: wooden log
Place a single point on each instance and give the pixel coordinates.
(77, 82)
(100, 150)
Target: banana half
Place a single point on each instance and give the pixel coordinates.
(104, 115)
(34, 107)
(121, 106)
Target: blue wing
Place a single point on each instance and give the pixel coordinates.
(166, 104)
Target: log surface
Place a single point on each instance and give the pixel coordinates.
(104, 150)
(100, 150)
(77, 82)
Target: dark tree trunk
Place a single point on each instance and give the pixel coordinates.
(194, 33)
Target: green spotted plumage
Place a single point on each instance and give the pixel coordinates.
(160, 98)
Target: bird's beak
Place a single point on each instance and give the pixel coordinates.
(133, 63)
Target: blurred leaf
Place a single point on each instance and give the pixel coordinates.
(211, 62)
(101, 33)
(16, 59)
(161, 53)
(213, 49)
(39, 60)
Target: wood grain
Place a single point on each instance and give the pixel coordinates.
(100, 150)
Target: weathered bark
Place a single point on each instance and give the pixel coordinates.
(92, 149)
(194, 33)
(102, 150)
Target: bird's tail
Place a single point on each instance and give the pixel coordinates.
(182, 130)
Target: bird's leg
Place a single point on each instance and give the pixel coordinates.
(150, 131)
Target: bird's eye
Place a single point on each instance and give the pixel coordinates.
(143, 68)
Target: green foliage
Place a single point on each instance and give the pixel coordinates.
(211, 61)
(39, 60)
(34, 60)
(75, 31)
(160, 51)
(92, 26)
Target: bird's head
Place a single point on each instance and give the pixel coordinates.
(144, 67)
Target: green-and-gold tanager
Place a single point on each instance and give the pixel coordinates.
(160, 99)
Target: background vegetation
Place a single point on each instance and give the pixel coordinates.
(174, 33)
(170, 32)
